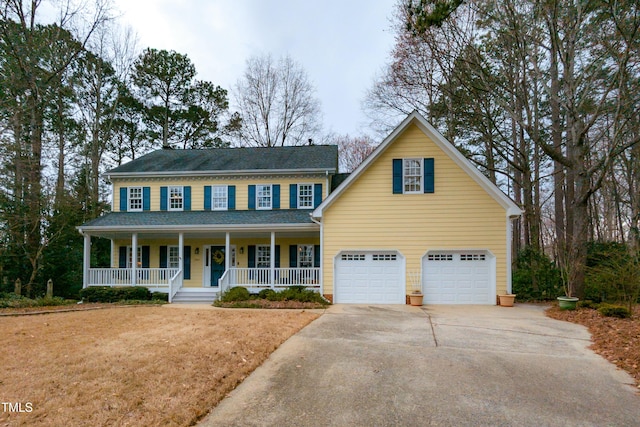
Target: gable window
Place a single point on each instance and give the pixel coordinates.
(263, 196)
(135, 199)
(220, 197)
(176, 198)
(412, 175)
(305, 196)
(263, 256)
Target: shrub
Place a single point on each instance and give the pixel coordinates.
(535, 277)
(614, 311)
(588, 304)
(114, 294)
(266, 294)
(11, 300)
(237, 293)
(160, 296)
(613, 274)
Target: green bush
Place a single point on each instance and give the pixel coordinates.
(11, 300)
(266, 294)
(115, 294)
(614, 311)
(535, 277)
(588, 304)
(613, 274)
(160, 296)
(237, 293)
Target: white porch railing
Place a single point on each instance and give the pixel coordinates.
(153, 278)
(175, 283)
(256, 279)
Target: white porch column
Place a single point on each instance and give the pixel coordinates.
(181, 251)
(86, 260)
(134, 259)
(272, 259)
(113, 252)
(227, 251)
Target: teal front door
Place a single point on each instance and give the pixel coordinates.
(217, 264)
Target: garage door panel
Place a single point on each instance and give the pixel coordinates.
(463, 277)
(369, 278)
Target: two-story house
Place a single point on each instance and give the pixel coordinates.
(414, 214)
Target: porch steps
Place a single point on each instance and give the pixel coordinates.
(201, 296)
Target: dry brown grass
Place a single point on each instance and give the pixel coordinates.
(133, 366)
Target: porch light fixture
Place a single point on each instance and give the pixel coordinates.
(241, 250)
(197, 251)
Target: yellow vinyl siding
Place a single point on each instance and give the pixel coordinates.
(369, 216)
(198, 184)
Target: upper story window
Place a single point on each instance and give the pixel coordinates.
(134, 197)
(305, 196)
(263, 197)
(176, 198)
(412, 175)
(219, 197)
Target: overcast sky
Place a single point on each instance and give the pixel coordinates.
(341, 44)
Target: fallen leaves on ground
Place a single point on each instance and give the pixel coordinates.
(617, 340)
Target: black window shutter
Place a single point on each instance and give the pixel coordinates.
(187, 262)
(163, 256)
(293, 256)
(277, 263)
(397, 176)
(251, 256)
(145, 256)
(316, 255)
(122, 257)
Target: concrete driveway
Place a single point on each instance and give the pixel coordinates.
(437, 365)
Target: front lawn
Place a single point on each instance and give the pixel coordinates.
(134, 365)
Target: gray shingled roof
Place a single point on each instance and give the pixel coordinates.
(323, 157)
(200, 218)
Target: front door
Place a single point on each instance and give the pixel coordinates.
(217, 264)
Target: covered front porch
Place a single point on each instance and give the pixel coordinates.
(206, 261)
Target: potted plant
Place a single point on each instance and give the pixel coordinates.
(507, 300)
(416, 295)
(567, 301)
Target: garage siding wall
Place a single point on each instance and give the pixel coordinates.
(458, 215)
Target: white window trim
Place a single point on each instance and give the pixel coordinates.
(260, 248)
(300, 251)
(226, 194)
(177, 248)
(299, 196)
(421, 162)
(129, 199)
(169, 197)
(264, 208)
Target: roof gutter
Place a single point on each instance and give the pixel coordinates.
(217, 173)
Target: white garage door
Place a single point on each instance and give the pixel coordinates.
(369, 277)
(460, 277)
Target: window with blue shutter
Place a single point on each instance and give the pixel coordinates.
(231, 194)
(293, 196)
(146, 198)
(275, 203)
(123, 199)
(187, 197)
(429, 173)
(163, 198)
(187, 263)
(207, 197)
(252, 197)
(397, 176)
(317, 195)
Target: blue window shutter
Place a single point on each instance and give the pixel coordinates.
(277, 260)
(429, 180)
(317, 195)
(293, 256)
(207, 197)
(145, 256)
(163, 256)
(316, 255)
(397, 176)
(293, 196)
(146, 198)
(231, 197)
(187, 197)
(187, 262)
(122, 257)
(275, 203)
(251, 256)
(252, 197)
(123, 199)
(163, 198)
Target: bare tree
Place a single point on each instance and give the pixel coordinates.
(353, 150)
(277, 103)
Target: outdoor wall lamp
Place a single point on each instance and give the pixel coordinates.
(241, 250)
(197, 251)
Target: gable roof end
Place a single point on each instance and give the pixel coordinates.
(416, 118)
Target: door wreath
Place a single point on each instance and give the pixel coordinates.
(218, 256)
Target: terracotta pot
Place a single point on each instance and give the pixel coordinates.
(416, 299)
(507, 300)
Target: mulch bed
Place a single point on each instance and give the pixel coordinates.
(617, 340)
